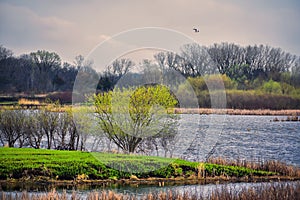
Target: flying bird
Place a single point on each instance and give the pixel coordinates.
(196, 30)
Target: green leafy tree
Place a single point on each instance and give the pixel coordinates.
(272, 87)
(130, 116)
(85, 125)
(287, 89)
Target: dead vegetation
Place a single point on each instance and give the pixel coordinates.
(236, 111)
(270, 165)
(271, 191)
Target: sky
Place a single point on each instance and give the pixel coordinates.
(76, 27)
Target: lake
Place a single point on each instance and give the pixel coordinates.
(243, 137)
(253, 138)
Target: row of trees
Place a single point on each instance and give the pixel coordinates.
(40, 129)
(241, 64)
(43, 71)
(37, 72)
(127, 119)
(54, 130)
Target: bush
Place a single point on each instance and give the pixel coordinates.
(287, 89)
(272, 87)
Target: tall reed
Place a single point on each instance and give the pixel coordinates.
(271, 191)
(270, 165)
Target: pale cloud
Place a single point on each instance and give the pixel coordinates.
(76, 27)
(22, 28)
(21, 20)
(104, 37)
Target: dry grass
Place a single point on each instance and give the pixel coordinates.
(271, 165)
(24, 101)
(52, 195)
(272, 191)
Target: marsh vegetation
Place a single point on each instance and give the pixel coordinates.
(272, 191)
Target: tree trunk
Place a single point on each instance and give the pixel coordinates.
(11, 143)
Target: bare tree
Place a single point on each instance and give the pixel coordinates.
(197, 60)
(5, 53)
(113, 73)
(11, 126)
(295, 77)
(120, 67)
(45, 64)
(63, 130)
(67, 135)
(49, 123)
(33, 130)
(225, 55)
(170, 60)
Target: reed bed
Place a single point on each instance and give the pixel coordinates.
(271, 191)
(270, 165)
(236, 111)
(24, 101)
(274, 191)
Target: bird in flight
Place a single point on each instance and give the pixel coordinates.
(196, 30)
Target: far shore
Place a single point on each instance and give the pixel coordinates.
(201, 111)
(237, 111)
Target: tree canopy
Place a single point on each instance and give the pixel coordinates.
(243, 68)
(130, 116)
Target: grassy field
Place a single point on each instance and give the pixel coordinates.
(26, 163)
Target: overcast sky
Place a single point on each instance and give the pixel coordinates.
(73, 27)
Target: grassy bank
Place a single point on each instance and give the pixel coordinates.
(46, 165)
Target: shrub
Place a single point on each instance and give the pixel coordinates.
(272, 87)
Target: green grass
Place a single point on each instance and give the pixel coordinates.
(8, 103)
(68, 165)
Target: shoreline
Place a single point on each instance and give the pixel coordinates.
(201, 111)
(207, 111)
(151, 182)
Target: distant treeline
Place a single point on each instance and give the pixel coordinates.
(256, 74)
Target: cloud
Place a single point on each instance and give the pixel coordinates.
(22, 23)
(72, 28)
(24, 29)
